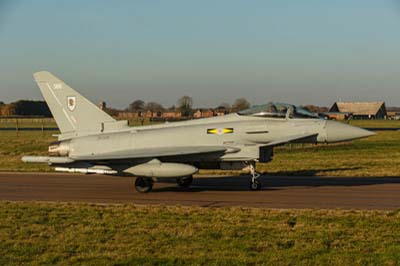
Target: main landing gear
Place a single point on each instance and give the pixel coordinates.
(143, 184)
(185, 181)
(255, 184)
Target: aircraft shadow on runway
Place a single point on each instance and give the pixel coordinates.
(277, 182)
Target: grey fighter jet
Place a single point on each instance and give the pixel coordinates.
(91, 141)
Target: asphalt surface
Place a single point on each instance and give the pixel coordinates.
(277, 192)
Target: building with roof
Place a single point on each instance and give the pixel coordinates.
(361, 110)
(221, 110)
(201, 113)
(171, 114)
(393, 115)
(336, 115)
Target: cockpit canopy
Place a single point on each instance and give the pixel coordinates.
(278, 110)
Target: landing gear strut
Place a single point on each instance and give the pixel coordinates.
(185, 181)
(255, 184)
(143, 184)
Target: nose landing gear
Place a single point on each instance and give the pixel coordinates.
(255, 184)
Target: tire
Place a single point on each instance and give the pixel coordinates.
(185, 181)
(143, 185)
(255, 185)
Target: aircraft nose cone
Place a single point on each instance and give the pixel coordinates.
(337, 132)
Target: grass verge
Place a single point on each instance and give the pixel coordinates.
(83, 234)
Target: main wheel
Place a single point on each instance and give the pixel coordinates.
(185, 181)
(255, 185)
(143, 185)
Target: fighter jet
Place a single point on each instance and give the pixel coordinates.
(91, 141)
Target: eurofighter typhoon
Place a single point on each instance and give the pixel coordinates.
(91, 141)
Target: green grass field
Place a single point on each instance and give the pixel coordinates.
(14, 145)
(376, 156)
(82, 234)
(375, 123)
(50, 122)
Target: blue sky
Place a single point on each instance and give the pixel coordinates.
(302, 52)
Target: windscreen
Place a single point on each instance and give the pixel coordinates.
(278, 110)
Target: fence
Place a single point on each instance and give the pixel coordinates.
(27, 124)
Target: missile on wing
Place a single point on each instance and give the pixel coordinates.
(87, 170)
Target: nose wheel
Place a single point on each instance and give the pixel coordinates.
(255, 183)
(143, 184)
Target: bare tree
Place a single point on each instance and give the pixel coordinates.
(172, 108)
(240, 104)
(154, 107)
(185, 105)
(135, 106)
(227, 106)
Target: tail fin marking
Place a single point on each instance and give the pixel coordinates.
(72, 111)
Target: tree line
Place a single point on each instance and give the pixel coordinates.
(184, 105)
(25, 108)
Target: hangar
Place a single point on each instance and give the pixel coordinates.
(361, 110)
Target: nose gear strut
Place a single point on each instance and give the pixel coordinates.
(255, 184)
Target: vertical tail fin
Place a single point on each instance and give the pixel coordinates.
(72, 111)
